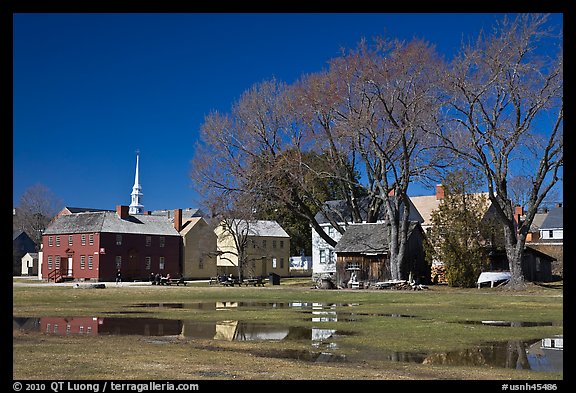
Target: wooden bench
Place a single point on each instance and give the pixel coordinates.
(254, 282)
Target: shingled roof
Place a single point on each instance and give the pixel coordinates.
(367, 238)
(554, 219)
(340, 212)
(110, 222)
(259, 228)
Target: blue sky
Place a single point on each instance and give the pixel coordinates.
(92, 88)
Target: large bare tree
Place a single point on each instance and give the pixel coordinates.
(507, 108)
(390, 109)
(265, 149)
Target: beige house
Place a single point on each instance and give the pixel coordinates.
(427, 204)
(265, 244)
(198, 249)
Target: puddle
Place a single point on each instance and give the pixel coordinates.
(512, 323)
(544, 354)
(222, 330)
(244, 305)
(321, 312)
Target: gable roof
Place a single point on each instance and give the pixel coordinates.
(341, 212)
(186, 213)
(427, 204)
(367, 238)
(191, 223)
(109, 222)
(18, 233)
(259, 228)
(554, 219)
(85, 209)
(537, 221)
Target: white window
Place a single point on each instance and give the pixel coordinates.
(118, 261)
(331, 232)
(82, 262)
(90, 262)
(161, 263)
(118, 240)
(148, 263)
(331, 257)
(353, 266)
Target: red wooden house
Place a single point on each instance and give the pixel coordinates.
(93, 245)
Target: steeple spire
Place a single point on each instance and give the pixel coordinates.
(136, 207)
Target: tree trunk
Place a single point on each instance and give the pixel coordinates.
(514, 252)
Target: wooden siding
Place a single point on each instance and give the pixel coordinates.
(373, 268)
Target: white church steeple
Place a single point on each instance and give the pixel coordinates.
(136, 206)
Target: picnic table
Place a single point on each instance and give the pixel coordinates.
(230, 282)
(254, 281)
(171, 281)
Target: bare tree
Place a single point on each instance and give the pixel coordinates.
(507, 107)
(37, 206)
(390, 108)
(264, 150)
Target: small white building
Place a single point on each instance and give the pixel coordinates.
(30, 264)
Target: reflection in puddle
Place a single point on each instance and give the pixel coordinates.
(321, 312)
(244, 305)
(224, 330)
(537, 355)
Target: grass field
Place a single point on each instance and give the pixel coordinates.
(430, 321)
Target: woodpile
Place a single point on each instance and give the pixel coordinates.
(438, 274)
(399, 285)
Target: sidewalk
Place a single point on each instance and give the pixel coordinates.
(34, 282)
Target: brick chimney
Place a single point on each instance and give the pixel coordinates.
(178, 219)
(122, 211)
(518, 213)
(559, 204)
(439, 192)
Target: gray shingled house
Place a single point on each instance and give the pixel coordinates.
(363, 250)
(323, 254)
